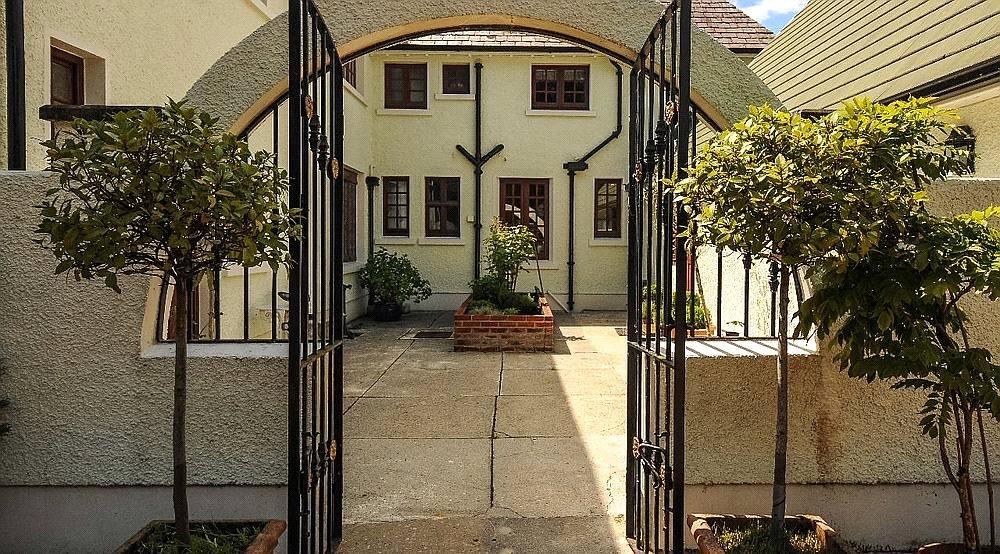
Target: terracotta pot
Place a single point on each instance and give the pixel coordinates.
(265, 543)
(387, 312)
(701, 529)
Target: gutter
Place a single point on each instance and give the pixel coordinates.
(579, 166)
(16, 119)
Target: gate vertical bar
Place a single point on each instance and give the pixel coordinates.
(294, 271)
(339, 303)
(684, 128)
(633, 323)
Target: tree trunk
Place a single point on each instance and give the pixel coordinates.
(989, 480)
(970, 534)
(181, 519)
(781, 422)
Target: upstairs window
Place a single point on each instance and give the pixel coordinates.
(406, 86)
(560, 87)
(351, 73)
(456, 79)
(608, 208)
(67, 78)
(396, 206)
(443, 208)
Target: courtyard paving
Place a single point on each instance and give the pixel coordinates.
(470, 452)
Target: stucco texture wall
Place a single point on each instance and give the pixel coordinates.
(982, 117)
(151, 50)
(254, 72)
(87, 409)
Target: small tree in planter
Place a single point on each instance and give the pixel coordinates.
(163, 193)
(508, 249)
(898, 317)
(813, 194)
(391, 279)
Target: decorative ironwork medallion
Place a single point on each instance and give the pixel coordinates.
(308, 107)
(670, 113)
(333, 168)
(639, 174)
(333, 450)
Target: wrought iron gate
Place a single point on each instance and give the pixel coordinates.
(316, 284)
(661, 132)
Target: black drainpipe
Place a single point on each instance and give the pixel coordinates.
(372, 182)
(16, 120)
(579, 166)
(479, 160)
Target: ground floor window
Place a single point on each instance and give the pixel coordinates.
(526, 202)
(608, 208)
(443, 211)
(396, 206)
(350, 215)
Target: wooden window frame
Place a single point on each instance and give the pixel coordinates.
(350, 223)
(524, 185)
(386, 230)
(616, 231)
(77, 66)
(410, 69)
(351, 73)
(560, 103)
(428, 204)
(446, 79)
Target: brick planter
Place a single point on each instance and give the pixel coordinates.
(504, 333)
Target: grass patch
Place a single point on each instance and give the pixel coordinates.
(206, 538)
(756, 539)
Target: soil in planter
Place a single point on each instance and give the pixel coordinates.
(756, 539)
(206, 538)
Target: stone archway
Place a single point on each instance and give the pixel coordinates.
(252, 75)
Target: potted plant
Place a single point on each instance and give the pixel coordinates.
(811, 195)
(496, 317)
(898, 315)
(164, 193)
(391, 280)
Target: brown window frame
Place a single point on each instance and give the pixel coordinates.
(409, 70)
(350, 224)
(388, 231)
(445, 204)
(615, 232)
(447, 80)
(351, 73)
(77, 65)
(560, 103)
(524, 198)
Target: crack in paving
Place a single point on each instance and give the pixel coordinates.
(493, 433)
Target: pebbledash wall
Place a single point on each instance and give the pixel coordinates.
(88, 460)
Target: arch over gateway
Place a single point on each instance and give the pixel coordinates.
(254, 73)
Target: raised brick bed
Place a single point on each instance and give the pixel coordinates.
(504, 333)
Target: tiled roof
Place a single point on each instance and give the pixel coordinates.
(729, 25)
(719, 18)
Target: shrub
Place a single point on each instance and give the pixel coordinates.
(392, 279)
(701, 316)
(508, 248)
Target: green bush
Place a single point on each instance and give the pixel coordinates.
(391, 278)
(508, 248)
(492, 290)
(701, 315)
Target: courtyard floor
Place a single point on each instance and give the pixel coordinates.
(470, 452)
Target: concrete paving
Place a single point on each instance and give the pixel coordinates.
(470, 452)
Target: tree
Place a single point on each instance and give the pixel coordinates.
(163, 193)
(897, 316)
(508, 248)
(811, 194)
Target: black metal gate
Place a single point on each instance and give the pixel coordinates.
(661, 133)
(316, 284)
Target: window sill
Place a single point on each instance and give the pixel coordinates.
(352, 267)
(274, 350)
(395, 240)
(544, 265)
(608, 241)
(392, 111)
(442, 241)
(561, 113)
(464, 97)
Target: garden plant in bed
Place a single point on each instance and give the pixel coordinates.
(391, 280)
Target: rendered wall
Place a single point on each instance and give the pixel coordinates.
(982, 117)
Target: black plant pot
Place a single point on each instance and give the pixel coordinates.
(387, 312)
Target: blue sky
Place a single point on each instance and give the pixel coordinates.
(774, 14)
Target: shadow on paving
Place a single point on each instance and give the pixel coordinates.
(470, 452)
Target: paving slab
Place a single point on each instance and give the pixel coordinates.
(410, 382)
(559, 477)
(449, 360)
(456, 534)
(583, 360)
(358, 381)
(393, 480)
(459, 417)
(558, 535)
(560, 415)
(564, 382)
(432, 345)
